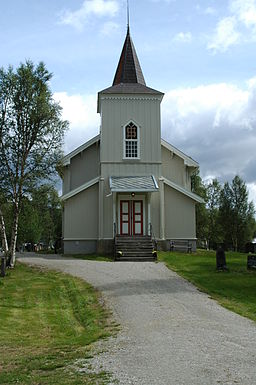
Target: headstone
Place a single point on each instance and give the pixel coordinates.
(221, 259)
(251, 262)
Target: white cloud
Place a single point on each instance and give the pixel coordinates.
(216, 125)
(225, 35)
(183, 37)
(238, 27)
(245, 11)
(99, 8)
(252, 192)
(81, 112)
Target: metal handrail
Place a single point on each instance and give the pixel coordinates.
(152, 235)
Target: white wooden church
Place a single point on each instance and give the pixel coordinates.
(127, 188)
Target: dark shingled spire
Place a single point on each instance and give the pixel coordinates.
(129, 70)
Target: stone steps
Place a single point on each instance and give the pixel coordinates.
(137, 248)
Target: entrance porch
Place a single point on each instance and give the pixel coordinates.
(132, 217)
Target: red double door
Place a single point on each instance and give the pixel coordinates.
(131, 217)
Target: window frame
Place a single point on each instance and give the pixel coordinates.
(131, 140)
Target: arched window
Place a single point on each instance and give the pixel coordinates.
(131, 141)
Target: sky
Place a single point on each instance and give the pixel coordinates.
(200, 53)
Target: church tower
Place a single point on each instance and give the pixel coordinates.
(130, 150)
(127, 191)
(130, 119)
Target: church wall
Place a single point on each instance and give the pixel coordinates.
(116, 112)
(81, 215)
(107, 213)
(83, 168)
(173, 168)
(129, 169)
(66, 180)
(155, 214)
(180, 219)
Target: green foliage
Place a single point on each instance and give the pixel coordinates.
(41, 217)
(31, 134)
(236, 214)
(55, 318)
(202, 220)
(227, 216)
(234, 289)
(31, 129)
(214, 235)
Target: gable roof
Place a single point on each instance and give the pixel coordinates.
(129, 69)
(66, 159)
(188, 161)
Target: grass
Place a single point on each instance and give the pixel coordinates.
(234, 289)
(48, 321)
(92, 257)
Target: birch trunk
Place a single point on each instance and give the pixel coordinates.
(3, 233)
(12, 251)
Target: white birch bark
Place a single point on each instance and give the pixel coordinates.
(12, 251)
(3, 233)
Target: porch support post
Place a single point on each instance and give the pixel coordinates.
(149, 213)
(162, 218)
(114, 214)
(101, 192)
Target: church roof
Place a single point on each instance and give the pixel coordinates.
(129, 69)
(130, 88)
(129, 78)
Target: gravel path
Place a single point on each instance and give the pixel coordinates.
(170, 332)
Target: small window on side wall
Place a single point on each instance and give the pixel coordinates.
(131, 141)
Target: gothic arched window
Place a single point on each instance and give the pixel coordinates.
(131, 141)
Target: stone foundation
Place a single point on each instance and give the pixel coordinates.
(105, 247)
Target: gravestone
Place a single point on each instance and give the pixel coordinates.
(251, 262)
(221, 259)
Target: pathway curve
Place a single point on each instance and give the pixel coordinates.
(171, 334)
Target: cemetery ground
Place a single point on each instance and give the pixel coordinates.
(234, 289)
(48, 321)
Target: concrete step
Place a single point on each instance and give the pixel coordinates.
(139, 248)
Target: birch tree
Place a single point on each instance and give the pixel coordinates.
(3, 233)
(31, 135)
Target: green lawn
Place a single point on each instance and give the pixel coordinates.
(235, 289)
(47, 322)
(92, 257)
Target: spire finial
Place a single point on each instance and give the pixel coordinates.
(128, 16)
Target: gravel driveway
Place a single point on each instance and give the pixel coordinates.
(170, 332)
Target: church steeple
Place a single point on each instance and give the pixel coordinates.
(128, 69)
